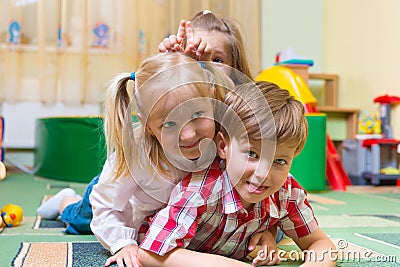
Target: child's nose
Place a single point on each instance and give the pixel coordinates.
(262, 171)
(187, 133)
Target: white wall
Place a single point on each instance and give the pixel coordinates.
(20, 119)
(292, 23)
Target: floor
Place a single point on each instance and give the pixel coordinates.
(362, 218)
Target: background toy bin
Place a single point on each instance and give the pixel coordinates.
(69, 148)
(309, 167)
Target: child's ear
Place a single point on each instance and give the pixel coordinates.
(222, 145)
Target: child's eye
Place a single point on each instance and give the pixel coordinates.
(197, 114)
(218, 60)
(280, 161)
(168, 124)
(252, 154)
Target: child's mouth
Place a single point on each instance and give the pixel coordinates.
(254, 189)
(191, 145)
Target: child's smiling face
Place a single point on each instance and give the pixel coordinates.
(181, 120)
(254, 170)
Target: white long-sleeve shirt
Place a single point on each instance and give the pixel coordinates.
(120, 206)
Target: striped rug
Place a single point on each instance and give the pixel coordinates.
(61, 254)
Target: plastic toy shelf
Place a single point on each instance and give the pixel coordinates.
(376, 178)
(383, 154)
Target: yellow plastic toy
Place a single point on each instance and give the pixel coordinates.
(2, 171)
(286, 78)
(369, 124)
(12, 215)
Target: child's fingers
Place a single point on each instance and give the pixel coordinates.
(170, 44)
(190, 51)
(120, 262)
(174, 44)
(109, 261)
(127, 261)
(262, 257)
(266, 260)
(162, 48)
(207, 54)
(195, 42)
(173, 40)
(204, 52)
(254, 241)
(177, 48)
(181, 31)
(189, 30)
(135, 262)
(200, 49)
(274, 260)
(130, 260)
(165, 45)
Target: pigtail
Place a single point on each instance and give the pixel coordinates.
(118, 124)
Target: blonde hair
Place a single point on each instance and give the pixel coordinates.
(284, 121)
(207, 21)
(128, 140)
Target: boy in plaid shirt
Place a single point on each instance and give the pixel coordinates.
(246, 190)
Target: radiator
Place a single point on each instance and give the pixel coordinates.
(20, 119)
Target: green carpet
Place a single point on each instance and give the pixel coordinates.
(364, 217)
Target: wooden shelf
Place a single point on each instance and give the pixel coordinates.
(331, 87)
(350, 116)
(331, 82)
(330, 107)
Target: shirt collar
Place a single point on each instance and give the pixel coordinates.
(231, 200)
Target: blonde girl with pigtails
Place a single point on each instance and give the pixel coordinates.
(174, 97)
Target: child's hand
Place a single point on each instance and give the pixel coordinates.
(195, 47)
(127, 255)
(174, 43)
(268, 255)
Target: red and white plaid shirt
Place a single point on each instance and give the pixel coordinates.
(205, 214)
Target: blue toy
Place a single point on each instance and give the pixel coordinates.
(14, 30)
(101, 32)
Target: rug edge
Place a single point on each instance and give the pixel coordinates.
(19, 259)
